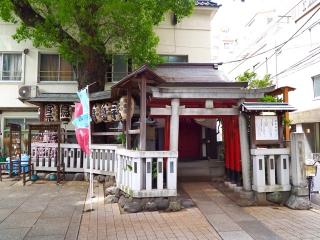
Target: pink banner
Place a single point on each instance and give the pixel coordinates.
(78, 110)
(82, 134)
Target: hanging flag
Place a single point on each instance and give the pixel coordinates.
(84, 99)
(77, 110)
(82, 136)
(82, 121)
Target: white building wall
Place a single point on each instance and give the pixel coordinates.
(192, 36)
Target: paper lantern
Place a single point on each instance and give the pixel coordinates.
(51, 113)
(65, 113)
(96, 113)
(106, 112)
(115, 112)
(123, 107)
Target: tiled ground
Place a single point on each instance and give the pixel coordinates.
(106, 222)
(49, 211)
(230, 220)
(41, 211)
(287, 223)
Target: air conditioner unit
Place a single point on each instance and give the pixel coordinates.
(27, 92)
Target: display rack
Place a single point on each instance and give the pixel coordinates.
(44, 146)
(15, 149)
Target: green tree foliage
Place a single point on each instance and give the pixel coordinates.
(88, 32)
(269, 98)
(253, 81)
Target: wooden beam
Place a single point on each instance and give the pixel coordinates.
(286, 115)
(134, 131)
(143, 113)
(161, 111)
(196, 111)
(206, 111)
(128, 119)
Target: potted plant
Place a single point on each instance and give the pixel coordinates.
(121, 138)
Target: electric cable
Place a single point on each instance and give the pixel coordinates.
(290, 38)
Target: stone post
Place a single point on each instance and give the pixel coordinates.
(300, 150)
(174, 125)
(245, 156)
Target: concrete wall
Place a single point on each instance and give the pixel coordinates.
(192, 36)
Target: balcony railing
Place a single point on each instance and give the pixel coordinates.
(10, 76)
(53, 76)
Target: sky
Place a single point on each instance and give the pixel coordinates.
(235, 13)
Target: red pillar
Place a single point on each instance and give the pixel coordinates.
(226, 131)
(232, 149)
(237, 152)
(166, 144)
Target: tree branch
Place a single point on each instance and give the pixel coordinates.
(31, 18)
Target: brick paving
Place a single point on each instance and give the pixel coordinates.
(106, 222)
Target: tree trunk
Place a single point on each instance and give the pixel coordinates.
(92, 70)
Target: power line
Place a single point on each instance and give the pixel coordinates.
(268, 50)
(279, 46)
(290, 38)
(282, 16)
(299, 63)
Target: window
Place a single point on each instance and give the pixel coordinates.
(23, 122)
(316, 86)
(10, 66)
(118, 68)
(54, 68)
(175, 58)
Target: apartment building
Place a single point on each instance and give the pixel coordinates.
(26, 70)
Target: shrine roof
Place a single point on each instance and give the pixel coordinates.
(67, 97)
(266, 107)
(181, 74)
(207, 3)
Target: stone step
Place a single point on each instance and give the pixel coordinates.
(203, 168)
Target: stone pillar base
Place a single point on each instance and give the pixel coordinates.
(299, 199)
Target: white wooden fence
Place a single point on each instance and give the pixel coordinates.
(139, 173)
(147, 173)
(271, 170)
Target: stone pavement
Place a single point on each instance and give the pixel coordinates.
(228, 219)
(48, 211)
(42, 210)
(289, 224)
(106, 222)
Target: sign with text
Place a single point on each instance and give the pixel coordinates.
(266, 128)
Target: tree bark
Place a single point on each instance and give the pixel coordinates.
(92, 70)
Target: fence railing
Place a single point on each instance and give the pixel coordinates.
(138, 173)
(147, 173)
(271, 170)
